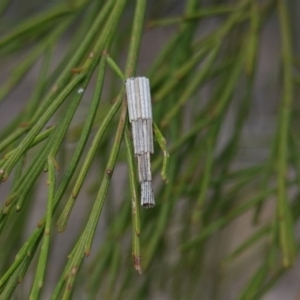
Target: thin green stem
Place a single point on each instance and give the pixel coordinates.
(38, 139)
(209, 12)
(166, 156)
(38, 126)
(115, 67)
(135, 210)
(41, 268)
(286, 234)
(62, 221)
(37, 24)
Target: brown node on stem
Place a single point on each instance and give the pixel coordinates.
(87, 252)
(77, 70)
(74, 270)
(56, 165)
(179, 76)
(114, 100)
(137, 263)
(24, 124)
(2, 173)
(10, 199)
(74, 195)
(20, 280)
(49, 126)
(4, 176)
(54, 89)
(109, 172)
(150, 24)
(40, 224)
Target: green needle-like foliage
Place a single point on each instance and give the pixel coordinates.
(214, 206)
